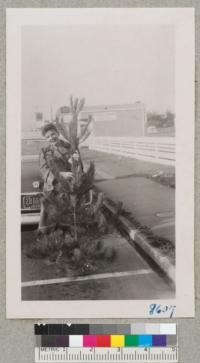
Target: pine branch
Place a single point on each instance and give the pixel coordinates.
(87, 180)
(81, 105)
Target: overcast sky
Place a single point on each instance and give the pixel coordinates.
(105, 64)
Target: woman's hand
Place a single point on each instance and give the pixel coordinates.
(75, 156)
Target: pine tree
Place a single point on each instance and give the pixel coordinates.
(75, 204)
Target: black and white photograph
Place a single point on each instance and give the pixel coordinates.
(103, 174)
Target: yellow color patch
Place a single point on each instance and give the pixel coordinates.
(117, 341)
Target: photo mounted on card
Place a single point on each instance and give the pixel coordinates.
(100, 163)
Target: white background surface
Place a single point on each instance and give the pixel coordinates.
(183, 22)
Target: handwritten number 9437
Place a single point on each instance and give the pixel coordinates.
(157, 309)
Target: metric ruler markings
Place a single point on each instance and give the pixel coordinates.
(103, 355)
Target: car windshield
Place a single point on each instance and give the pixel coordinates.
(32, 147)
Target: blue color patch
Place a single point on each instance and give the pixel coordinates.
(159, 340)
(145, 341)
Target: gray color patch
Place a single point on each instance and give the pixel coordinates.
(38, 340)
(171, 340)
(138, 328)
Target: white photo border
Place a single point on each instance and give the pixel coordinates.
(183, 21)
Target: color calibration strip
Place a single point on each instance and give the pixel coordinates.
(111, 341)
(105, 343)
(99, 335)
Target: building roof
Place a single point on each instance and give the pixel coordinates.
(126, 106)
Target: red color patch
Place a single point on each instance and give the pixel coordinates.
(103, 341)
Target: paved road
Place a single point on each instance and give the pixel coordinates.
(124, 180)
(129, 276)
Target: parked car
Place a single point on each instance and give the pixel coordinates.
(31, 182)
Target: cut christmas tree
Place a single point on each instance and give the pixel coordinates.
(73, 206)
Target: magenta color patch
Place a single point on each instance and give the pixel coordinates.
(89, 340)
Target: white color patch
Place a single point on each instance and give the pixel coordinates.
(75, 340)
(168, 329)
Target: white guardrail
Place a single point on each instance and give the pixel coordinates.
(154, 149)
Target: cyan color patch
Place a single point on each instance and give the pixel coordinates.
(145, 341)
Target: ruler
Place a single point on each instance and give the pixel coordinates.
(106, 355)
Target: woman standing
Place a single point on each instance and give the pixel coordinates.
(55, 163)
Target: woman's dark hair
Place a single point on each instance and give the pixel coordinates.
(48, 127)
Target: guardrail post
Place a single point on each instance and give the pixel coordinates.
(156, 151)
(109, 146)
(120, 147)
(135, 148)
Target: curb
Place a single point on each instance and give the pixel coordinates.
(142, 241)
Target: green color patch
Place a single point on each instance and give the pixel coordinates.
(131, 340)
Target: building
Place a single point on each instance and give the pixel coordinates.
(117, 120)
(108, 120)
